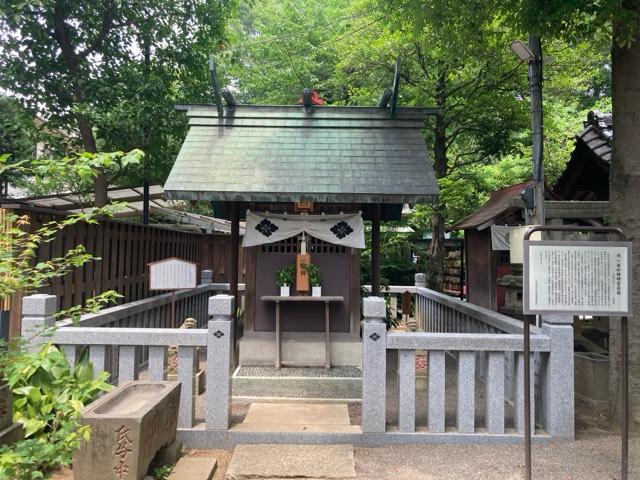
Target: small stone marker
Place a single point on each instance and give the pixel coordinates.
(194, 468)
(9, 432)
(128, 426)
(318, 462)
(6, 406)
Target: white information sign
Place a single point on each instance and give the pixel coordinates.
(172, 274)
(584, 278)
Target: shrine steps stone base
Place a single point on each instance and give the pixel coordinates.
(298, 384)
(200, 438)
(258, 349)
(283, 462)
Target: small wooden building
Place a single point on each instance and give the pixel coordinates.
(483, 264)
(310, 161)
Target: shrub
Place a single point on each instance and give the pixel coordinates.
(48, 398)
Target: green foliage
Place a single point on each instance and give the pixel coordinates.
(112, 70)
(278, 47)
(19, 270)
(76, 173)
(315, 278)
(48, 398)
(162, 473)
(48, 394)
(286, 275)
(17, 134)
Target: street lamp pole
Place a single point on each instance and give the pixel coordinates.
(532, 54)
(535, 88)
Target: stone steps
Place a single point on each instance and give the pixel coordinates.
(194, 468)
(298, 417)
(283, 462)
(341, 383)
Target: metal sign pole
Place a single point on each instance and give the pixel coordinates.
(527, 400)
(624, 370)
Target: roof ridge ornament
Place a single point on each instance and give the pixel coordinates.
(396, 87)
(215, 89)
(389, 97)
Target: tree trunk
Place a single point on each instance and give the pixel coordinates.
(100, 185)
(436, 251)
(63, 37)
(625, 208)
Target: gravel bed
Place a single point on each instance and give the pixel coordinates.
(307, 372)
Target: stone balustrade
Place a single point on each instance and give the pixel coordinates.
(486, 349)
(104, 343)
(467, 349)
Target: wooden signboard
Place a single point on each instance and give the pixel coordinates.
(302, 278)
(172, 274)
(406, 304)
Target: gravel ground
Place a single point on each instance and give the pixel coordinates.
(590, 457)
(595, 455)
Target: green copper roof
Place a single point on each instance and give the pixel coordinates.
(286, 154)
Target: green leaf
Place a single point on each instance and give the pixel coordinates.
(32, 426)
(83, 372)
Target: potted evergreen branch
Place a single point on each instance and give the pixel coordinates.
(284, 279)
(315, 279)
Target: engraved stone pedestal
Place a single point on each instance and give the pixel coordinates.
(9, 432)
(128, 426)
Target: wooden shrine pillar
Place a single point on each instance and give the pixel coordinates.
(235, 253)
(375, 251)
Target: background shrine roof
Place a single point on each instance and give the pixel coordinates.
(597, 134)
(586, 175)
(287, 154)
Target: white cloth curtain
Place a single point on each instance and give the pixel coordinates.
(500, 236)
(343, 229)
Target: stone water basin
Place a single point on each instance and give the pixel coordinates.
(128, 426)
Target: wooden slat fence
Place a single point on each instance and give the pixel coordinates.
(124, 249)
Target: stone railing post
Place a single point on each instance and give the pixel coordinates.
(219, 354)
(206, 277)
(37, 314)
(374, 364)
(419, 323)
(557, 376)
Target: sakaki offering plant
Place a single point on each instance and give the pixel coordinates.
(284, 279)
(315, 278)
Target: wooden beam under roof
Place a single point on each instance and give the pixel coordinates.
(570, 208)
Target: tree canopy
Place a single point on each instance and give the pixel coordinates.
(111, 71)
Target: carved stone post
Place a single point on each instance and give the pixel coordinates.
(558, 403)
(374, 364)
(37, 314)
(220, 342)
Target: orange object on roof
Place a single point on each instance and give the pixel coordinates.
(315, 98)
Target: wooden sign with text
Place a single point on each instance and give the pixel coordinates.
(172, 274)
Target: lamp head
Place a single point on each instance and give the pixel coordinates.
(522, 51)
